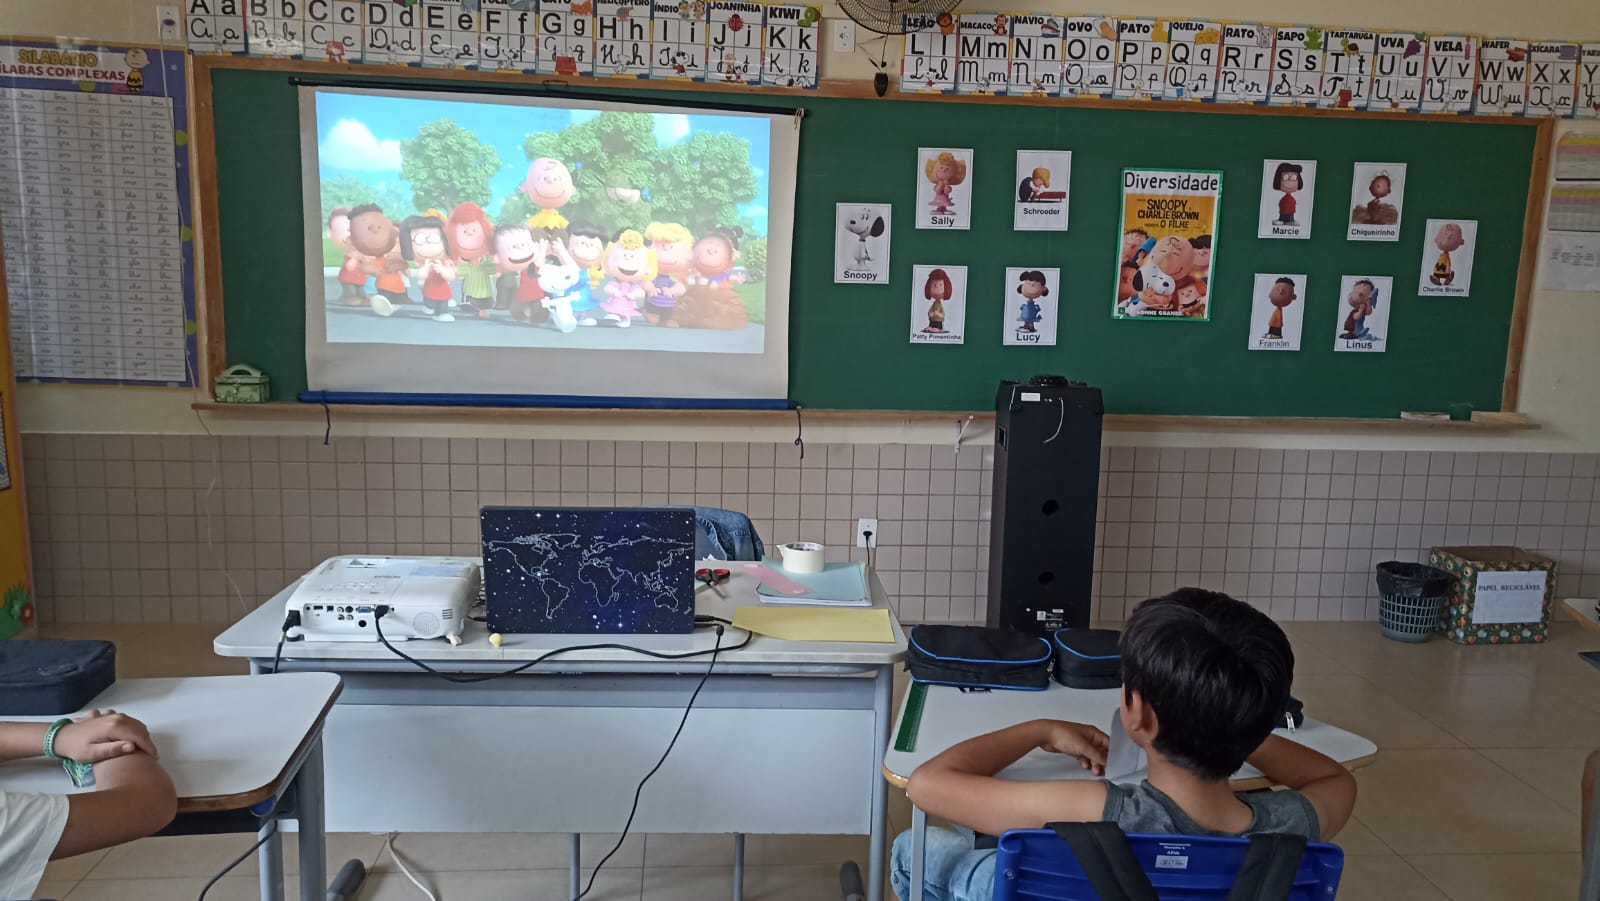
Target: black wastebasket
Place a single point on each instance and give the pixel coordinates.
(1410, 598)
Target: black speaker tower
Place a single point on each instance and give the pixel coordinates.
(1046, 487)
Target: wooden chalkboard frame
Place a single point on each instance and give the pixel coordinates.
(213, 330)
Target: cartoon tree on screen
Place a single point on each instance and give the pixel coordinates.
(447, 165)
(703, 179)
(347, 190)
(614, 160)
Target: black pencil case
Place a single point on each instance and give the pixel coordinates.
(52, 678)
(1088, 658)
(976, 657)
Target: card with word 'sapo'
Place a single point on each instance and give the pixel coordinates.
(983, 64)
(1245, 75)
(1035, 55)
(1552, 79)
(1451, 73)
(932, 48)
(1502, 78)
(678, 39)
(1194, 51)
(1397, 72)
(791, 55)
(1348, 58)
(1141, 59)
(1297, 66)
(1088, 56)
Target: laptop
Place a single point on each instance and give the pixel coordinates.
(588, 570)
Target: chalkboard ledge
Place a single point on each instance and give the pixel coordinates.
(1119, 422)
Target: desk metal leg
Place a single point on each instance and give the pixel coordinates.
(919, 848)
(738, 866)
(311, 813)
(1590, 890)
(575, 866)
(883, 691)
(270, 860)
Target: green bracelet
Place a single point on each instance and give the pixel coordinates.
(81, 774)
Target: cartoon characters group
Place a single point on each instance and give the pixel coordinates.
(546, 271)
(1164, 276)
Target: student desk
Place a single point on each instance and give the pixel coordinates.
(777, 742)
(230, 743)
(950, 717)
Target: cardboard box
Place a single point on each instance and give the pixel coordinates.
(1502, 595)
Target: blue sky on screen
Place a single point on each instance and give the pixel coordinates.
(359, 135)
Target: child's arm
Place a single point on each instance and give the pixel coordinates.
(91, 738)
(960, 785)
(133, 798)
(1326, 784)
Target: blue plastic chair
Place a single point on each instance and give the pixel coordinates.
(1036, 865)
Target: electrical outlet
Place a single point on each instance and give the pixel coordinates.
(170, 24)
(844, 36)
(863, 526)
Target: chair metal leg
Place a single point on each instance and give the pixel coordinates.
(575, 866)
(738, 866)
(919, 848)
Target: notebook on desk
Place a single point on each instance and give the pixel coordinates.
(838, 585)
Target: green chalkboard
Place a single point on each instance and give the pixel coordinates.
(848, 343)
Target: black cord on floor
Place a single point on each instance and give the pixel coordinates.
(238, 860)
(468, 679)
(290, 620)
(637, 792)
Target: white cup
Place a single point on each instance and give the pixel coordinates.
(802, 557)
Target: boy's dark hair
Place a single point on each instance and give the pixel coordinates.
(1216, 671)
(1285, 281)
(1200, 242)
(1286, 169)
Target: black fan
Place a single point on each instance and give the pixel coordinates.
(897, 16)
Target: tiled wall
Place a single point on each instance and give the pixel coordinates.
(158, 529)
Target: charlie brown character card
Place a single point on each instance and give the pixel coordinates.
(1447, 251)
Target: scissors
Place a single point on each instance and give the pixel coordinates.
(713, 578)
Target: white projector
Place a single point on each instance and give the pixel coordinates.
(427, 597)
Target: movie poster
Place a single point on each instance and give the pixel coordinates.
(938, 304)
(1042, 181)
(1166, 244)
(1032, 304)
(1447, 258)
(1287, 187)
(861, 244)
(1277, 310)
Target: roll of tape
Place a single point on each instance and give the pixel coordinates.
(802, 557)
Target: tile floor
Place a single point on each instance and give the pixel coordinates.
(1473, 796)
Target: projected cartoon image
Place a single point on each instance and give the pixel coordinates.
(449, 222)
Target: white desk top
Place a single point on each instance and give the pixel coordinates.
(1583, 610)
(227, 741)
(950, 717)
(256, 636)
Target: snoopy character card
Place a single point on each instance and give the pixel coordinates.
(944, 188)
(1042, 181)
(1447, 258)
(861, 244)
(1032, 307)
(1363, 313)
(1277, 309)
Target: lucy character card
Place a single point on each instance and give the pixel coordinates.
(1277, 309)
(1032, 303)
(861, 244)
(1363, 313)
(1286, 195)
(1447, 258)
(1377, 196)
(944, 188)
(938, 304)
(1042, 179)
(1165, 246)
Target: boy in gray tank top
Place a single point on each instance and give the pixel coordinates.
(1205, 679)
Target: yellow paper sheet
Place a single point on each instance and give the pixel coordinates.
(815, 623)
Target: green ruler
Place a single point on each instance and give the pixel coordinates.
(911, 718)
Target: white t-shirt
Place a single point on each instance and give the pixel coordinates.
(30, 827)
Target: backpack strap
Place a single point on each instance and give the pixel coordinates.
(1107, 859)
(1267, 873)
